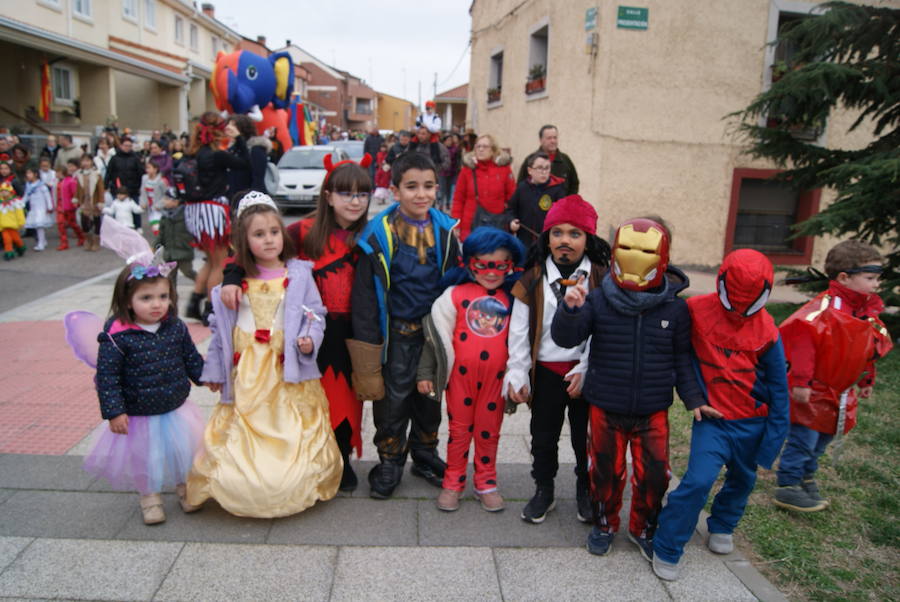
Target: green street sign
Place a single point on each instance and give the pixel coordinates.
(590, 19)
(630, 17)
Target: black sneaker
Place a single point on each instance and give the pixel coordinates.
(384, 478)
(600, 542)
(538, 506)
(812, 490)
(793, 497)
(585, 508)
(644, 544)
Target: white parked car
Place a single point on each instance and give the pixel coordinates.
(301, 173)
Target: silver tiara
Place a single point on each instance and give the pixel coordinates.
(254, 197)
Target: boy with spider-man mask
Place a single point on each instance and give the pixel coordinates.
(740, 359)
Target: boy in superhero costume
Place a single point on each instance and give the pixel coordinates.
(538, 371)
(404, 252)
(831, 344)
(640, 349)
(740, 360)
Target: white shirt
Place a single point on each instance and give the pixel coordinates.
(432, 122)
(519, 364)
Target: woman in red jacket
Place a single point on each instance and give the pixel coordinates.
(484, 182)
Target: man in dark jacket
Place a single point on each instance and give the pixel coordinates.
(641, 348)
(400, 147)
(561, 165)
(422, 143)
(125, 169)
(371, 146)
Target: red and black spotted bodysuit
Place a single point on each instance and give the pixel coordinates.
(474, 400)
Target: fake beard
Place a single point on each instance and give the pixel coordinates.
(564, 254)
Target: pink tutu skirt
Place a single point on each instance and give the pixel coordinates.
(156, 454)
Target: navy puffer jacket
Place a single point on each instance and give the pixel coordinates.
(142, 373)
(635, 361)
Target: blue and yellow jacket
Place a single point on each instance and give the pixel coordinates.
(372, 281)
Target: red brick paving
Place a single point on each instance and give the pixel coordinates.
(47, 401)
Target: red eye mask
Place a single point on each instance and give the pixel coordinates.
(495, 268)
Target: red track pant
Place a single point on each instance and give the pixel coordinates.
(473, 413)
(66, 219)
(610, 435)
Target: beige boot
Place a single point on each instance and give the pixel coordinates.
(152, 509)
(491, 501)
(181, 490)
(448, 500)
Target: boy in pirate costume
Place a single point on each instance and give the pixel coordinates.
(539, 371)
(404, 250)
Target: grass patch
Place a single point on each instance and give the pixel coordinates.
(851, 551)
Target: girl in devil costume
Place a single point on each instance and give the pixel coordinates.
(740, 358)
(466, 345)
(640, 349)
(326, 237)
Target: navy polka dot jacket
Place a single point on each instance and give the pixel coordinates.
(142, 373)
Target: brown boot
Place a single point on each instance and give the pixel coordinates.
(152, 509)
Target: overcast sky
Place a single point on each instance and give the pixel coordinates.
(376, 40)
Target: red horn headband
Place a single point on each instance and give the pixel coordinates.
(329, 167)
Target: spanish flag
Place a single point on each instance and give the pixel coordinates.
(45, 91)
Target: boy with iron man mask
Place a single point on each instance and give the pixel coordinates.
(640, 349)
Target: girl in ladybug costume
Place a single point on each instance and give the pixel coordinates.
(466, 351)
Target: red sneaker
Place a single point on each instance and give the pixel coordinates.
(62, 246)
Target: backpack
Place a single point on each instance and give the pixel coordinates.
(187, 180)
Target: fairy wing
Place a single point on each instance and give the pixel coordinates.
(82, 328)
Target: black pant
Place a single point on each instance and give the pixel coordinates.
(402, 403)
(548, 408)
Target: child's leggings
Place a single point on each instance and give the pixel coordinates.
(11, 240)
(474, 411)
(714, 444)
(801, 453)
(66, 219)
(41, 234)
(611, 435)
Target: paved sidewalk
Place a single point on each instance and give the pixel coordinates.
(65, 535)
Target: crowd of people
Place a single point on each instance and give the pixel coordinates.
(474, 288)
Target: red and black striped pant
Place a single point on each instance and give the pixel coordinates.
(610, 436)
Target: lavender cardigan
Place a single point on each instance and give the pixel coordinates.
(298, 367)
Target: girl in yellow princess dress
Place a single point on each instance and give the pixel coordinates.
(269, 449)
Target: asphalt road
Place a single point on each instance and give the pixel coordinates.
(35, 275)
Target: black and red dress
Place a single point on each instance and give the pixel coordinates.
(333, 272)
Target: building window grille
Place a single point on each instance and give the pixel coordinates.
(63, 85)
(83, 8)
(130, 9)
(150, 14)
(538, 43)
(495, 77)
